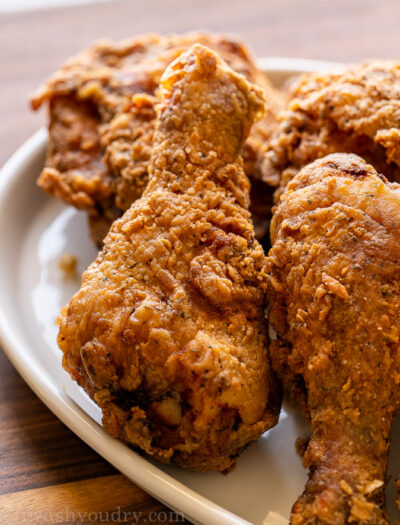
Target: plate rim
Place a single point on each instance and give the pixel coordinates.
(149, 477)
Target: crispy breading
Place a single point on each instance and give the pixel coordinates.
(167, 333)
(100, 143)
(334, 292)
(356, 110)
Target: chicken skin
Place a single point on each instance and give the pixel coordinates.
(334, 291)
(352, 111)
(167, 332)
(100, 140)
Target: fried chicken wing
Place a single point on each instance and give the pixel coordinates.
(167, 332)
(334, 292)
(100, 142)
(352, 111)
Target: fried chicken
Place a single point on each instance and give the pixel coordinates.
(334, 291)
(100, 142)
(353, 111)
(167, 332)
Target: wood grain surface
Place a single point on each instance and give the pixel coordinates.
(47, 475)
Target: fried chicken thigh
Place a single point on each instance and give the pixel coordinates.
(100, 140)
(167, 332)
(356, 110)
(334, 291)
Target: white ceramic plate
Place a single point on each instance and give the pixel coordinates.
(35, 231)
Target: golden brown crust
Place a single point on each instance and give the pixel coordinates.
(354, 111)
(335, 305)
(167, 332)
(74, 171)
(91, 95)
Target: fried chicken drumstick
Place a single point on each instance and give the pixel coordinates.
(334, 291)
(100, 141)
(167, 332)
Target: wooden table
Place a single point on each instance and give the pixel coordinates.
(44, 468)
